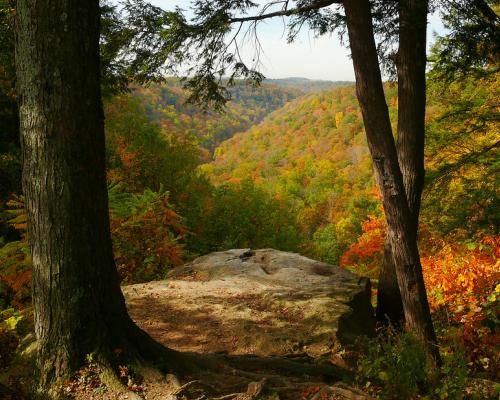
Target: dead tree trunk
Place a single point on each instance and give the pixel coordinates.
(382, 146)
(78, 305)
(411, 62)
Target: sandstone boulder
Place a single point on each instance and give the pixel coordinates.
(263, 302)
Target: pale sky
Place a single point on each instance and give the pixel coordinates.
(308, 57)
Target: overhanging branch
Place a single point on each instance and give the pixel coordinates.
(288, 12)
(486, 11)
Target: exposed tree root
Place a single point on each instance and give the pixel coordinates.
(221, 377)
(110, 379)
(201, 377)
(290, 367)
(247, 377)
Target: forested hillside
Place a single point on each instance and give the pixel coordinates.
(301, 180)
(167, 105)
(313, 152)
(307, 85)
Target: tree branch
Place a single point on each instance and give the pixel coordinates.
(486, 11)
(468, 158)
(287, 12)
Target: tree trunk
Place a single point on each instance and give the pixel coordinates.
(78, 305)
(411, 62)
(370, 93)
(389, 303)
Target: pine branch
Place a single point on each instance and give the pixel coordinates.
(288, 12)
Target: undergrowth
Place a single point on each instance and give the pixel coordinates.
(394, 366)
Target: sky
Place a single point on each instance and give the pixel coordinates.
(309, 57)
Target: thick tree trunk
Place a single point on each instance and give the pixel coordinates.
(411, 62)
(78, 305)
(371, 98)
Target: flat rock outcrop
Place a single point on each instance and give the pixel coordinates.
(263, 302)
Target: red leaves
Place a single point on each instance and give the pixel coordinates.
(368, 251)
(463, 280)
(127, 164)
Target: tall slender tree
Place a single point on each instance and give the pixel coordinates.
(399, 216)
(471, 47)
(411, 63)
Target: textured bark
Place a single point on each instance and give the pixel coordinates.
(411, 62)
(78, 305)
(371, 98)
(389, 309)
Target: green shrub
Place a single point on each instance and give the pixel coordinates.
(395, 364)
(240, 215)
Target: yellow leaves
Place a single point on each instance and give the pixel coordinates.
(339, 116)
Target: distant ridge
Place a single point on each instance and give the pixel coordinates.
(307, 85)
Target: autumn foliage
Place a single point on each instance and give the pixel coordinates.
(462, 280)
(146, 232)
(300, 180)
(463, 286)
(367, 252)
(15, 269)
(462, 277)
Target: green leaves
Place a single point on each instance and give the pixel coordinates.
(395, 363)
(241, 215)
(472, 46)
(15, 321)
(146, 233)
(462, 154)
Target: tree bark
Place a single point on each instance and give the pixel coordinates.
(370, 94)
(389, 310)
(411, 63)
(78, 305)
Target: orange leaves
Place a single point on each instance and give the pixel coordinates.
(368, 251)
(19, 281)
(309, 392)
(461, 278)
(15, 274)
(127, 164)
(16, 210)
(15, 262)
(464, 281)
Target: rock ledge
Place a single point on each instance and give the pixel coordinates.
(263, 302)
